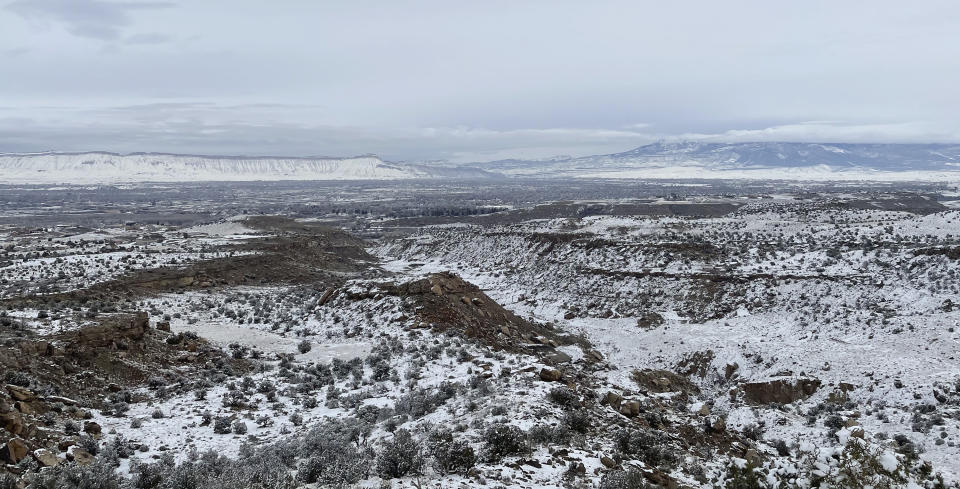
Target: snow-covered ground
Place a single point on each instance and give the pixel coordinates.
(82, 168)
(816, 302)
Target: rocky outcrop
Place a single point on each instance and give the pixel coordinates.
(781, 391)
(446, 302)
(663, 381)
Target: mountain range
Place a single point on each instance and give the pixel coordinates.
(761, 160)
(743, 160)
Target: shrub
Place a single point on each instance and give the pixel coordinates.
(98, 475)
(742, 478)
(331, 454)
(564, 397)
(120, 408)
(623, 479)
(420, 402)
(221, 425)
(304, 346)
(399, 456)
(577, 420)
(89, 444)
(650, 447)
(16, 377)
(833, 423)
(503, 440)
(542, 434)
(239, 427)
(449, 455)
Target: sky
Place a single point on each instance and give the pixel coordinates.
(471, 80)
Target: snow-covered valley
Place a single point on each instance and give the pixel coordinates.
(794, 340)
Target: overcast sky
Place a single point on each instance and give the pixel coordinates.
(471, 80)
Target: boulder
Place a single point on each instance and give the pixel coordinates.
(14, 451)
(550, 375)
(20, 393)
(24, 407)
(613, 400)
(781, 391)
(65, 400)
(12, 421)
(92, 428)
(163, 326)
(45, 457)
(594, 356)
(730, 371)
(79, 455)
(660, 479)
(663, 381)
(325, 298)
(630, 408)
(557, 358)
(608, 462)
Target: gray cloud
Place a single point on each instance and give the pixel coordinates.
(96, 19)
(474, 80)
(18, 51)
(147, 38)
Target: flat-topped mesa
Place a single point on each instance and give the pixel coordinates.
(153, 167)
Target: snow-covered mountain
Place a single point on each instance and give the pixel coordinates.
(789, 161)
(805, 161)
(100, 167)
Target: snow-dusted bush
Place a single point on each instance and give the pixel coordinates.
(98, 475)
(651, 447)
(577, 420)
(221, 425)
(564, 397)
(624, 479)
(332, 455)
(421, 402)
(450, 455)
(542, 434)
(503, 440)
(399, 456)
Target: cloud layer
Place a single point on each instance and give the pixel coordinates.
(471, 80)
